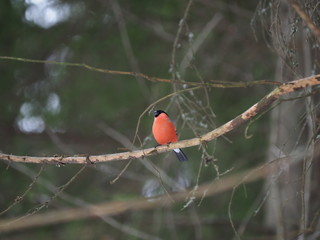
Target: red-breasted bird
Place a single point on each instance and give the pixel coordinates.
(164, 132)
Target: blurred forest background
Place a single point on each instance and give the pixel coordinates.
(55, 109)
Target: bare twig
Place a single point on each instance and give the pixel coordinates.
(60, 190)
(117, 207)
(198, 42)
(28, 172)
(227, 127)
(209, 83)
(177, 38)
(21, 198)
(314, 29)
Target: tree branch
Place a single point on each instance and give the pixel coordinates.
(314, 29)
(209, 83)
(227, 127)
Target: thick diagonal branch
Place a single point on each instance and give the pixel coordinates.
(259, 107)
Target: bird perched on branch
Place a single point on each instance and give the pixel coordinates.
(164, 132)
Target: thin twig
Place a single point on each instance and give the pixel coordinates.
(117, 207)
(21, 198)
(210, 83)
(314, 29)
(198, 42)
(177, 38)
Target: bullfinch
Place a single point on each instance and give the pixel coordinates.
(164, 132)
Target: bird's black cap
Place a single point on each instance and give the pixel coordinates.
(158, 112)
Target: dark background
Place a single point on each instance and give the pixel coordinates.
(48, 109)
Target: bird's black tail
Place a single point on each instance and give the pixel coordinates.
(181, 156)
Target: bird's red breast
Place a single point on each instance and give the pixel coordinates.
(164, 130)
